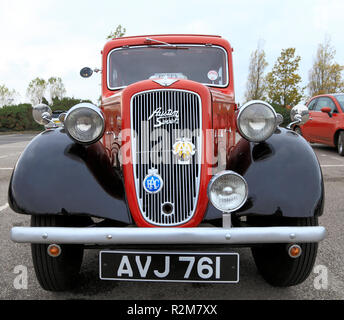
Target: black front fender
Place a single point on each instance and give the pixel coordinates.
(283, 175)
(54, 175)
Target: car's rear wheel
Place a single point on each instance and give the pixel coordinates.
(340, 143)
(59, 273)
(277, 267)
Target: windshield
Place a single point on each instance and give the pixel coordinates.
(340, 99)
(204, 64)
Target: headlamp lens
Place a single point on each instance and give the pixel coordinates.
(227, 191)
(257, 121)
(85, 123)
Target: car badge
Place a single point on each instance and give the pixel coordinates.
(164, 117)
(183, 149)
(153, 182)
(166, 82)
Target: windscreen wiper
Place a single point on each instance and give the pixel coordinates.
(171, 46)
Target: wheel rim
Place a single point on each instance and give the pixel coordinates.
(340, 144)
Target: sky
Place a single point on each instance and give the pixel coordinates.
(45, 38)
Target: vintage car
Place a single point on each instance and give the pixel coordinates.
(326, 122)
(167, 177)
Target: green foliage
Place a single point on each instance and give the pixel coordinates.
(118, 33)
(18, 118)
(284, 112)
(36, 90)
(7, 96)
(325, 75)
(283, 81)
(256, 82)
(56, 88)
(40, 89)
(65, 103)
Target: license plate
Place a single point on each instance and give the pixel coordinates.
(169, 266)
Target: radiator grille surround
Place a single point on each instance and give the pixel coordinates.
(151, 142)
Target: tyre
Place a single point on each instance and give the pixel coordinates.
(340, 143)
(60, 273)
(277, 267)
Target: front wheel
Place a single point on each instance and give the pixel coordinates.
(278, 268)
(59, 273)
(340, 144)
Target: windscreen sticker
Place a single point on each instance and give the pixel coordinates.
(212, 75)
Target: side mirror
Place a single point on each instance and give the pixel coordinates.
(327, 110)
(299, 115)
(86, 72)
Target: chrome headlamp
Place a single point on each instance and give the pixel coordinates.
(41, 113)
(257, 121)
(227, 191)
(85, 123)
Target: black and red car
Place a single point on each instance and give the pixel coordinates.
(167, 176)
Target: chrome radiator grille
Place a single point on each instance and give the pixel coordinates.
(152, 149)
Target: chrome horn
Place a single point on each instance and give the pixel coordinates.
(299, 115)
(41, 113)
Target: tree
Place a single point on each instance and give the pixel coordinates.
(256, 83)
(65, 103)
(56, 88)
(7, 96)
(325, 75)
(283, 81)
(36, 90)
(118, 33)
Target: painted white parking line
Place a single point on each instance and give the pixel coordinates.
(10, 155)
(6, 168)
(334, 158)
(331, 165)
(4, 207)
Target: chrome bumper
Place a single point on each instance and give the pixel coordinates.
(113, 236)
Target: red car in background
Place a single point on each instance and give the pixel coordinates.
(326, 121)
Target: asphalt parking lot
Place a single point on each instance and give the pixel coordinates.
(330, 259)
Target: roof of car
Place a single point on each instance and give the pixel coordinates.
(328, 94)
(169, 35)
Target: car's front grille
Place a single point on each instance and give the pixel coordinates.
(152, 141)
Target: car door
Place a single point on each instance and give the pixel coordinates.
(308, 128)
(325, 123)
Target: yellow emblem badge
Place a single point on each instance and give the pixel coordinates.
(184, 149)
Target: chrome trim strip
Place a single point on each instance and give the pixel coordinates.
(151, 216)
(105, 236)
(185, 45)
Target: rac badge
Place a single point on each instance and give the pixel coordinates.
(153, 182)
(183, 149)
